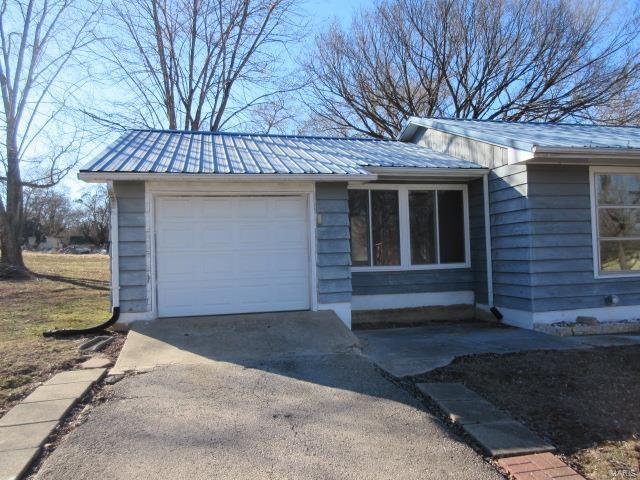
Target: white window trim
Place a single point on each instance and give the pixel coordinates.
(405, 239)
(595, 234)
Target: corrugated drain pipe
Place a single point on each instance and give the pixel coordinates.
(115, 279)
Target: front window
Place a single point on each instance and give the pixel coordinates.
(409, 227)
(617, 208)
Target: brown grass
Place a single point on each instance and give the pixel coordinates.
(585, 401)
(67, 291)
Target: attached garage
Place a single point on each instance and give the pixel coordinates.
(231, 254)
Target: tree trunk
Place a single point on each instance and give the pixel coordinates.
(11, 248)
(11, 218)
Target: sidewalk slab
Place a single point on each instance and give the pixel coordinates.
(20, 437)
(96, 362)
(58, 392)
(471, 411)
(447, 391)
(36, 412)
(462, 405)
(506, 438)
(15, 462)
(73, 376)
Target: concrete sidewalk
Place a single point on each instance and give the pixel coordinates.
(414, 350)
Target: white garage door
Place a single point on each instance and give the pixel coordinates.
(217, 255)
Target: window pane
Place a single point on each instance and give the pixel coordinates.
(451, 226)
(619, 222)
(385, 227)
(618, 189)
(422, 227)
(619, 255)
(359, 226)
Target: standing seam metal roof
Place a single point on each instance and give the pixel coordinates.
(169, 151)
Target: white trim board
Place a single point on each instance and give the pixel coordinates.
(130, 317)
(525, 319)
(411, 300)
(342, 309)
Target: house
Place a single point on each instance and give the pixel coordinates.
(534, 223)
(47, 242)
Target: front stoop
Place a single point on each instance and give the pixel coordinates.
(26, 427)
(541, 466)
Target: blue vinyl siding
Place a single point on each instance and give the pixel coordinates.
(333, 250)
(510, 237)
(562, 274)
(412, 281)
(132, 246)
(477, 237)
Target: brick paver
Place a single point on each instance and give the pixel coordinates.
(539, 466)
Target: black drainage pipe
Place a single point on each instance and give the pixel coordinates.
(496, 313)
(115, 314)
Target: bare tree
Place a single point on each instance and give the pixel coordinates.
(199, 64)
(39, 41)
(536, 60)
(47, 212)
(92, 216)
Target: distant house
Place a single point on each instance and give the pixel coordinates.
(540, 221)
(48, 242)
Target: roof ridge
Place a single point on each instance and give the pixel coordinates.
(248, 134)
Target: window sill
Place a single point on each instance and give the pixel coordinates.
(411, 268)
(601, 276)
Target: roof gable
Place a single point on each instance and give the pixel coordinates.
(527, 135)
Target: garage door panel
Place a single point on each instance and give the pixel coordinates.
(288, 207)
(251, 208)
(178, 208)
(217, 208)
(233, 255)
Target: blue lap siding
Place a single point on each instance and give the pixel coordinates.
(562, 274)
(333, 250)
(132, 246)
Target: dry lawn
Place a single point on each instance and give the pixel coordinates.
(587, 402)
(67, 291)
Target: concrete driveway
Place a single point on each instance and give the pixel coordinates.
(296, 400)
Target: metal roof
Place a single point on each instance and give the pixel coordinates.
(169, 151)
(527, 135)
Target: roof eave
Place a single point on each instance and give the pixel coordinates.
(102, 177)
(425, 172)
(585, 155)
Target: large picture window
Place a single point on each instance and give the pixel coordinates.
(616, 207)
(409, 227)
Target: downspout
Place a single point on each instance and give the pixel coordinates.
(487, 244)
(115, 277)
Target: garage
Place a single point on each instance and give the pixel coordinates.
(231, 254)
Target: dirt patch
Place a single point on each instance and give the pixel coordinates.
(584, 401)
